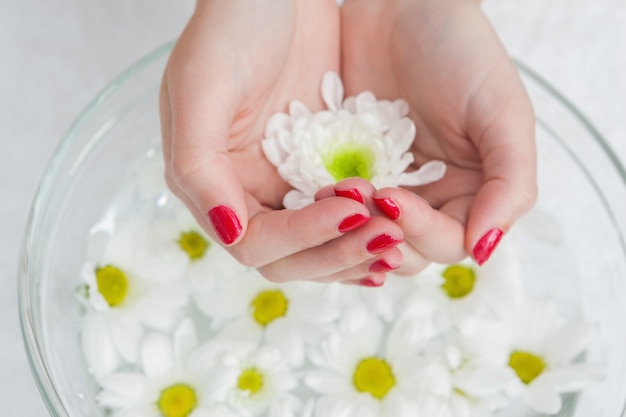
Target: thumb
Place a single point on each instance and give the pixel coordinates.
(507, 149)
(195, 131)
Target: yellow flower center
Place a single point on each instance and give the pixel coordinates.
(350, 160)
(374, 375)
(177, 400)
(526, 365)
(194, 244)
(459, 281)
(269, 305)
(250, 380)
(112, 284)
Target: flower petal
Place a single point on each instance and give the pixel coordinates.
(571, 378)
(101, 355)
(568, 342)
(332, 91)
(543, 399)
(157, 354)
(429, 172)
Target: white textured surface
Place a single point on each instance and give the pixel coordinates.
(55, 55)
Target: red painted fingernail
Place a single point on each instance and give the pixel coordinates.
(381, 266)
(382, 243)
(226, 223)
(351, 193)
(389, 207)
(352, 222)
(370, 282)
(486, 245)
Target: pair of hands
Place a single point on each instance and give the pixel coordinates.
(240, 61)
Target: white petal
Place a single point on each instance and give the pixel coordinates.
(429, 172)
(283, 336)
(213, 411)
(295, 199)
(244, 330)
(335, 406)
(542, 399)
(568, 342)
(157, 354)
(325, 382)
(185, 340)
(121, 389)
(571, 378)
(126, 333)
(298, 110)
(277, 122)
(332, 91)
(101, 355)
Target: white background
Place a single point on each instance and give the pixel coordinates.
(56, 55)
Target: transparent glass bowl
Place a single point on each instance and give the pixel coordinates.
(573, 245)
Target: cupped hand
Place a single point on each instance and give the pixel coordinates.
(470, 109)
(236, 63)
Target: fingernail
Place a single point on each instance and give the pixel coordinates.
(382, 243)
(389, 207)
(225, 223)
(352, 222)
(381, 266)
(370, 282)
(351, 193)
(486, 245)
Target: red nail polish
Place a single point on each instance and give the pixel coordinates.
(486, 245)
(370, 282)
(352, 222)
(351, 193)
(225, 223)
(389, 207)
(381, 266)
(382, 243)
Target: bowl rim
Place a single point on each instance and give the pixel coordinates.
(36, 358)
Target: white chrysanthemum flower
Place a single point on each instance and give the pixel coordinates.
(250, 308)
(468, 293)
(134, 283)
(362, 374)
(253, 380)
(541, 349)
(357, 137)
(169, 385)
(205, 259)
(465, 386)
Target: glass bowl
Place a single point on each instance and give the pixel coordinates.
(573, 244)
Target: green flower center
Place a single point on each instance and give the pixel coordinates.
(269, 305)
(250, 380)
(112, 284)
(177, 400)
(374, 376)
(350, 160)
(459, 281)
(526, 365)
(194, 244)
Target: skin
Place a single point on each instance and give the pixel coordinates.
(239, 61)
(470, 109)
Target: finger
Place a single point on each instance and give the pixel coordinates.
(357, 189)
(507, 149)
(199, 164)
(432, 234)
(371, 280)
(361, 245)
(276, 234)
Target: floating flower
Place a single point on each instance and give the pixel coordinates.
(362, 374)
(133, 284)
(541, 350)
(468, 293)
(248, 308)
(357, 137)
(168, 386)
(253, 380)
(206, 260)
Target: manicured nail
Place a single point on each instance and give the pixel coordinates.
(389, 207)
(225, 223)
(486, 245)
(352, 222)
(351, 193)
(381, 266)
(382, 243)
(370, 282)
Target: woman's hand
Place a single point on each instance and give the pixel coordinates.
(237, 63)
(470, 109)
